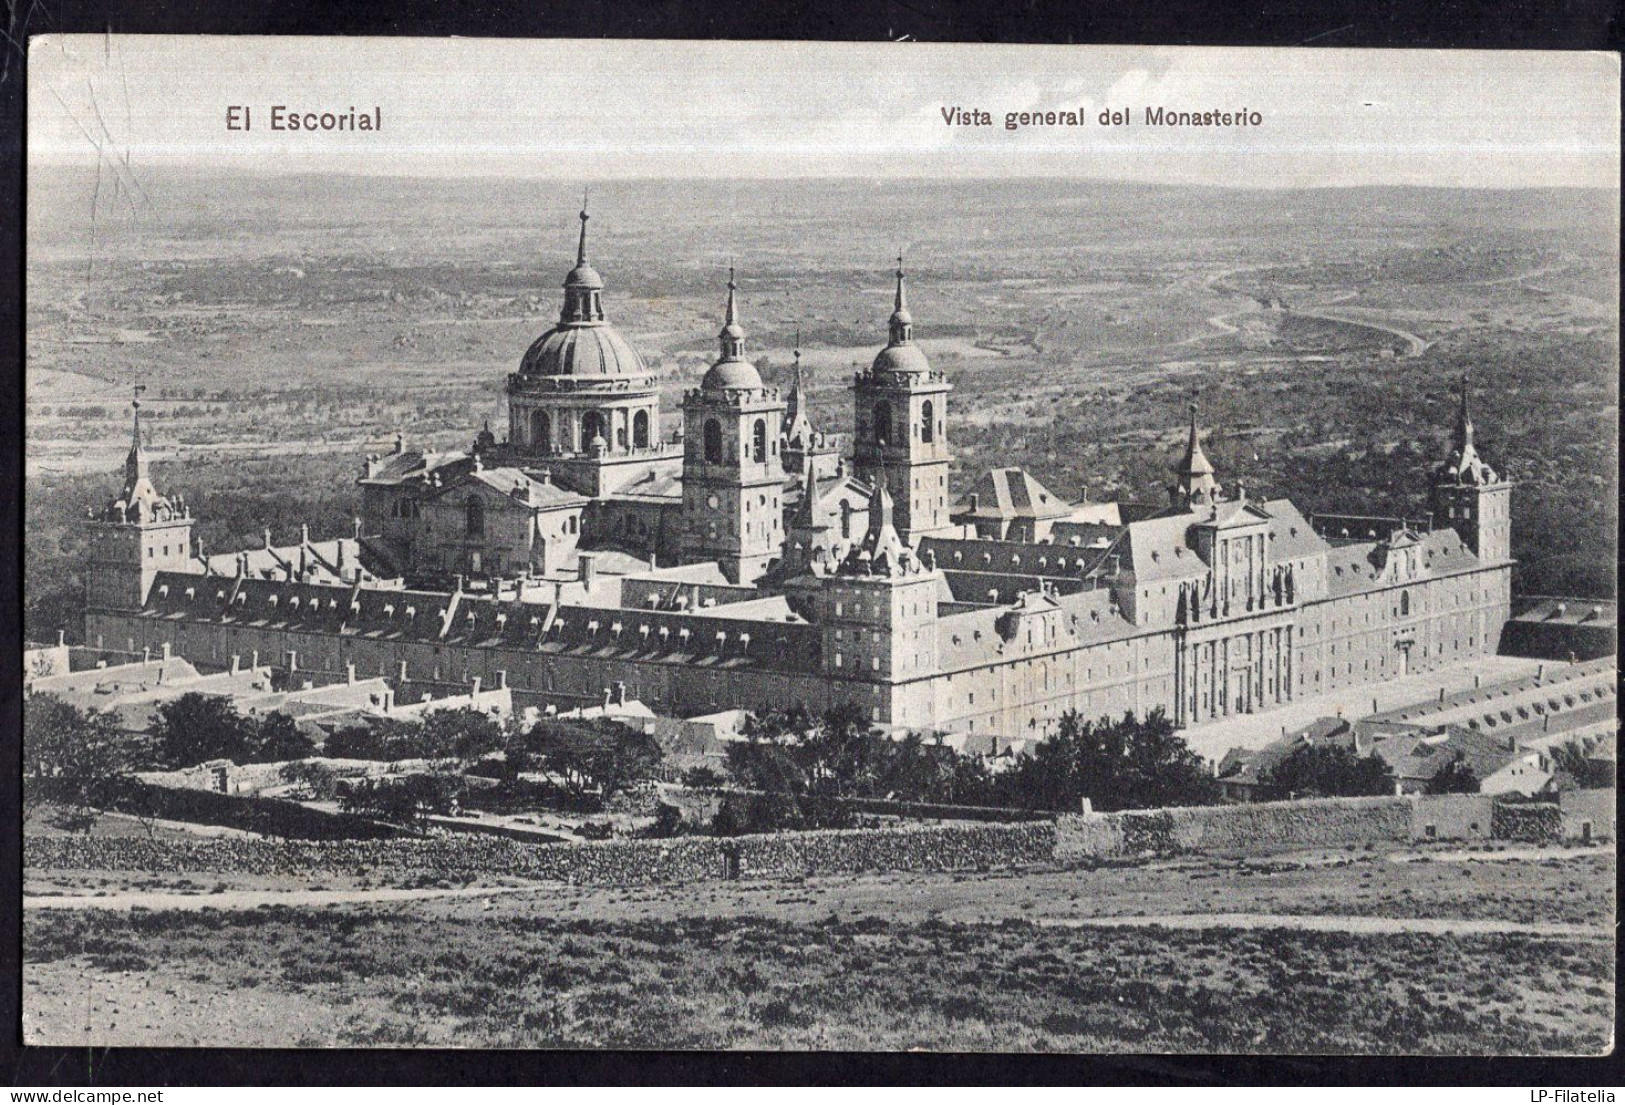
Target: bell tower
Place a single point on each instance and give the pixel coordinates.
(901, 417)
(1467, 494)
(733, 475)
(136, 536)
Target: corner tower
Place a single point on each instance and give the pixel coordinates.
(733, 476)
(1468, 496)
(878, 611)
(136, 536)
(901, 418)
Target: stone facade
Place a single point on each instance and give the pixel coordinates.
(746, 567)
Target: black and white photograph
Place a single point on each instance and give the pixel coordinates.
(770, 546)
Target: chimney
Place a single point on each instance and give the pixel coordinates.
(349, 672)
(146, 654)
(236, 663)
(402, 675)
(254, 659)
(304, 533)
(293, 661)
(61, 637)
(1085, 490)
(459, 581)
(474, 687)
(589, 571)
(502, 679)
(972, 500)
(267, 534)
(608, 696)
(620, 693)
(355, 527)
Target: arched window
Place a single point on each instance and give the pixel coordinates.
(758, 441)
(928, 430)
(475, 518)
(882, 428)
(592, 425)
(1404, 604)
(541, 431)
(640, 430)
(713, 441)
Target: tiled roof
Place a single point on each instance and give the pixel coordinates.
(1004, 493)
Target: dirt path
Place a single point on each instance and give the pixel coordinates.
(1356, 925)
(253, 899)
(1491, 857)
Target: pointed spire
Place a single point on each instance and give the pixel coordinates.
(881, 505)
(1464, 465)
(808, 514)
(581, 247)
(1195, 472)
(135, 465)
(902, 322)
(732, 336)
(1464, 416)
(797, 427)
(583, 287)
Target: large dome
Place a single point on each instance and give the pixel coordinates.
(582, 351)
(731, 375)
(902, 358)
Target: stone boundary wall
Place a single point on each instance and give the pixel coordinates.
(1253, 828)
(1596, 806)
(608, 863)
(1454, 817)
(1528, 822)
(1249, 829)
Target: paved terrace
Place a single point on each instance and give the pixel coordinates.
(1213, 739)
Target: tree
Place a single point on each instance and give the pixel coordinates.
(400, 800)
(1455, 777)
(463, 734)
(602, 757)
(277, 738)
(315, 779)
(195, 728)
(703, 777)
(1123, 764)
(1329, 771)
(1576, 758)
(72, 756)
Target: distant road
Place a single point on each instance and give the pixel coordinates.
(1352, 925)
(1415, 345)
(254, 899)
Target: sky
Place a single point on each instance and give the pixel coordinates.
(592, 109)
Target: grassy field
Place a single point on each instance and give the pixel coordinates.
(979, 961)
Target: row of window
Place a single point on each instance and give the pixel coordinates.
(594, 424)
